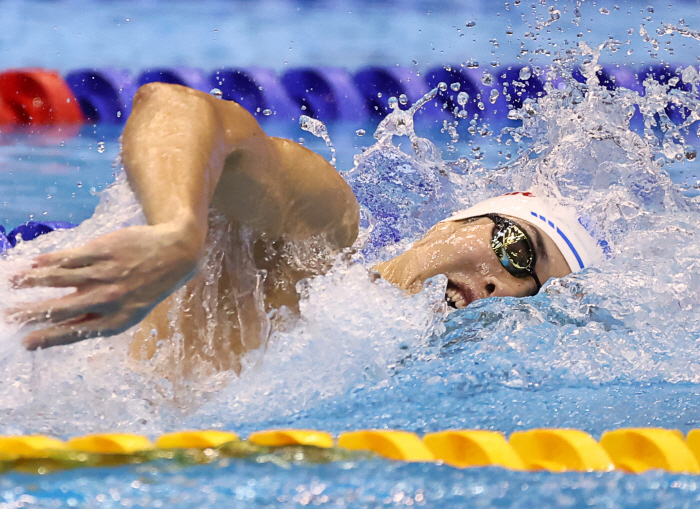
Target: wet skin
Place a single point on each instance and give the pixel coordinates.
(461, 250)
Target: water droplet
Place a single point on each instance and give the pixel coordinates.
(360, 132)
(493, 96)
(472, 64)
(689, 74)
(555, 15)
(379, 94)
(604, 10)
(462, 98)
(690, 153)
(487, 79)
(216, 93)
(470, 24)
(80, 184)
(525, 73)
(267, 112)
(403, 99)
(481, 106)
(509, 31)
(101, 147)
(442, 86)
(455, 87)
(650, 9)
(318, 129)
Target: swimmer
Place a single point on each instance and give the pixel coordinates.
(185, 152)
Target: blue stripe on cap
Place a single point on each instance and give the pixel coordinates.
(566, 239)
(571, 246)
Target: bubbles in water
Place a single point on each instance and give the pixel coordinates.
(216, 93)
(442, 86)
(488, 79)
(267, 112)
(462, 98)
(360, 132)
(403, 99)
(101, 147)
(525, 73)
(455, 87)
(471, 24)
(493, 96)
(604, 10)
(690, 153)
(393, 103)
(472, 64)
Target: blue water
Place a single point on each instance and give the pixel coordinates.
(615, 346)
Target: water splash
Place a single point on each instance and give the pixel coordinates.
(318, 129)
(631, 320)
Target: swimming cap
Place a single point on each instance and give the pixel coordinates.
(579, 248)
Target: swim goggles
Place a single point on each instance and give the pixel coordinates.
(513, 248)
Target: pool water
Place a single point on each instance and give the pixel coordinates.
(613, 346)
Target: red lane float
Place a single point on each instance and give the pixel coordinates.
(37, 97)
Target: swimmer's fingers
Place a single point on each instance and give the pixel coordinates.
(57, 310)
(83, 256)
(84, 327)
(54, 277)
(89, 325)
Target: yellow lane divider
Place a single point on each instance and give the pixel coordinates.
(632, 450)
(560, 450)
(639, 450)
(473, 448)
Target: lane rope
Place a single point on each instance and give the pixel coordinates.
(632, 450)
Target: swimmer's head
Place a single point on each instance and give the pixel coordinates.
(504, 246)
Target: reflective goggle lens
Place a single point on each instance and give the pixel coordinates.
(513, 249)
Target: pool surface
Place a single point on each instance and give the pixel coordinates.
(613, 346)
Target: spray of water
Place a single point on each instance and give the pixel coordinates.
(633, 318)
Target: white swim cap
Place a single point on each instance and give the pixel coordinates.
(579, 248)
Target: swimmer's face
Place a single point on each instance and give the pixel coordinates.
(461, 250)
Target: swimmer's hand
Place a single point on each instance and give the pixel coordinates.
(119, 278)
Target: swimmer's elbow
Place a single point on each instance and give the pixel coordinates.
(168, 95)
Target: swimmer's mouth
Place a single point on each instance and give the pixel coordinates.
(459, 296)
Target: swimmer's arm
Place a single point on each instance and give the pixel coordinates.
(178, 145)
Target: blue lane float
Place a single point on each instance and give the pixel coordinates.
(187, 76)
(334, 94)
(29, 231)
(104, 95)
(327, 93)
(258, 90)
(377, 84)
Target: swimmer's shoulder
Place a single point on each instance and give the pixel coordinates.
(321, 200)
